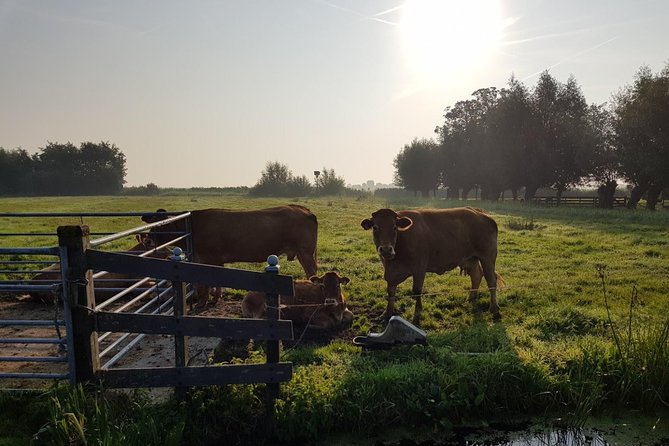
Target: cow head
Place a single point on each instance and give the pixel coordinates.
(159, 215)
(330, 284)
(160, 235)
(385, 225)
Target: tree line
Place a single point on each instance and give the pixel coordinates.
(277, 180)
(63, 169)
(523, 139)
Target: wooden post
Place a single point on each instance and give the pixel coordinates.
(180, 342)
(78, 291)
(273, 346)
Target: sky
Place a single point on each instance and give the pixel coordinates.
(206, 93)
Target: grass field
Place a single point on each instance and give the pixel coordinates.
(584, 321)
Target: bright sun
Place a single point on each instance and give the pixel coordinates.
(446, 40)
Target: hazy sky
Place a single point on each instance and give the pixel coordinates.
(205, 93)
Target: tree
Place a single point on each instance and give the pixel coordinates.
(57, 169)
(417, 167)
(278, 181)
(604, 167)
(63, 169)
(328, 183)
(102, 168)
(562, 117)
(16, 171)
(641, 114)
(299, 186)
(513, 125)
(469, 156)
(273, 180)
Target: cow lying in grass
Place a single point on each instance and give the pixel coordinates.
(318, 303)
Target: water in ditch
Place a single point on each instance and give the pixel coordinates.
(634, 431)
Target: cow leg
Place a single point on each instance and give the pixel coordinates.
(308, 262)
(491, 280)
(417, 290)
(202, 296)
(390, 307)
(475, 272)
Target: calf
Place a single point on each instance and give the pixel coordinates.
(318, 303)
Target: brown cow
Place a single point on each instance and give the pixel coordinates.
(318, 303)
(221, 236)
(51, 276)
(412, 243)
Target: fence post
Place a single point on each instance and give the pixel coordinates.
(180, 344)
(273, 346)
(78, 291)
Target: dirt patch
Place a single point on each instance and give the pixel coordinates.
(151, 351)
(14, 308)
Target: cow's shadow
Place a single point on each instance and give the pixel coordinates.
(305, 339)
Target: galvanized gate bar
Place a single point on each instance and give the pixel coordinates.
(83, 214)
(32, 341)
(45, 251)
(34, 375)
(192, 272)
(137, 230)
(132, 343)
(33, 358)
(30, 322)
(260, 329)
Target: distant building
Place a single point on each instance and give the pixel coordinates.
(370, 186)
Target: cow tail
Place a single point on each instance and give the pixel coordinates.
(500, 282)
(315, 219)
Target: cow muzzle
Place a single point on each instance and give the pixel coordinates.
(387, 252)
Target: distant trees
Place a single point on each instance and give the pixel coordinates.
(328, 183)
(16, 171)
(641, 126)
(519, 138)
(276, 180)
(63, 169)
(417, 167)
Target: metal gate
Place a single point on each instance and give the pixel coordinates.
(159, 307)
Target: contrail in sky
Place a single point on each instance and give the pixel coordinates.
(364, 16)
(586, 51)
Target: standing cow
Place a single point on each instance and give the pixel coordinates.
(221, 236)
(412, 243)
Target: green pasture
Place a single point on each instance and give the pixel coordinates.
(584, 328)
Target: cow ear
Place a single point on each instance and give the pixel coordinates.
(367, 224)
(344, 280)
(315, 279)
(403, 223)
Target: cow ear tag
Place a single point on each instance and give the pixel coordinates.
(404, 223)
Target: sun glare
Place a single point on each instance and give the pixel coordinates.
(446, 40)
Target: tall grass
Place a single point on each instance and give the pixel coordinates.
(637, 370)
